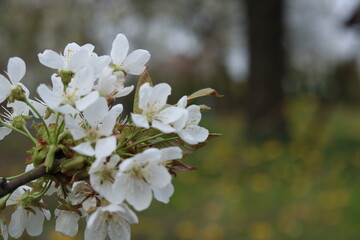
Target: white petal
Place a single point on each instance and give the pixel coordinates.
(120, 48)
(96, 112)
(140, 196)
(182, 102)
(171, 114)
(5, 88)
(86, 101)
(85, 149)
(194, 134)
(34, 226)
(194, 114)
(72, 124)
(4, 131)
(119, 230)
(109, 122)
(170, 153)
(124, 92)
(130, 216)
(16, 69)
(99, 63)
(58, 86)
(67, 223)
(165, 128)
(51, 59)
(159, 95)
(89, 204)
(66, 109)
(83, 81)
(135, 62)
(145, 93)
(164, 194)
(51, 99)
(78, 60)
(105, 146)
(140, 120)
(17, 223)
(158, 176)
(96, 228)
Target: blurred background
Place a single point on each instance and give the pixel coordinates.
(287, 164)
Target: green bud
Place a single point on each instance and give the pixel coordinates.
(17, 93)
(66, 77)
(72, 164)
(49, 160)
(18, 122)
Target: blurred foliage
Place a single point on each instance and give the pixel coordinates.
(305, 189)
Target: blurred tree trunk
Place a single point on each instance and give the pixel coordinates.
(265, 116)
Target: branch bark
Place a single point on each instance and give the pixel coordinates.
(9, 186)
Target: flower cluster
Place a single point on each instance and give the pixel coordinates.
(99, 163)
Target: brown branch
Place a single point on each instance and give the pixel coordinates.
(9, 186)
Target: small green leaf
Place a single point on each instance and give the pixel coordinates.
(144, 78)
(202, 93)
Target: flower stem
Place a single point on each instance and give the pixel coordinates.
(39, 115)
(13, 128)
(29, 134)
(128, 139)
(144, 140)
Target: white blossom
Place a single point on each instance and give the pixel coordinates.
(77, 96)
(100, 123)
(190, 132)
(102, 176)
(16, 71)
(83, 193)
(111, 85)
(134, 63)
(152, 102)
(141, 174)
(111, 220)
(73, 59)
(31, 220)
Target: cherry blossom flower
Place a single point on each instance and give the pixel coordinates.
(141, 174)
(190, 132)
(100, 123)
(78, 93)
(32, 220)
(152, 101)
(83, 193)
(102, 176)
(67, 222)
(134, 63)
(111, 220)
(16, 71)
(75, 57)
(112, 86)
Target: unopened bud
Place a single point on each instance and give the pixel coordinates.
(72, 164)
